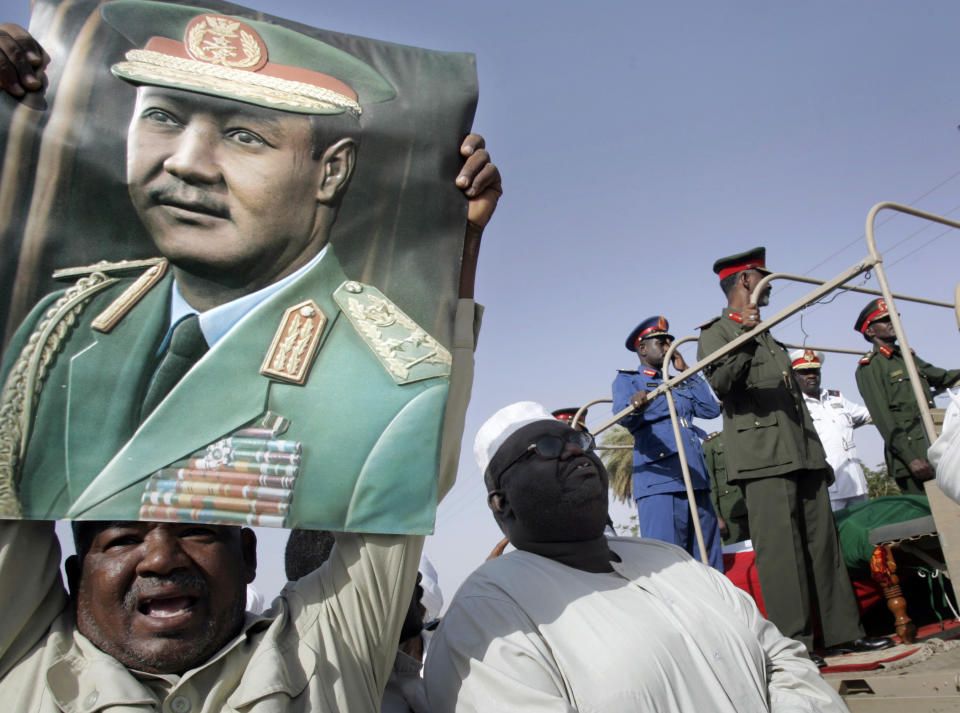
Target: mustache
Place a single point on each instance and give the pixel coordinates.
(179, 579)
(190, 198)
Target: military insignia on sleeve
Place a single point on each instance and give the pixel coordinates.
(402, 346)
(295, 343)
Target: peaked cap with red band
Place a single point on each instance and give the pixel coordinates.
(651, 327)
(198, 50)
(806, 359)
(874, 310)
(566, 415)
(755, 259)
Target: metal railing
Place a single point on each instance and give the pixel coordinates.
(872, 262)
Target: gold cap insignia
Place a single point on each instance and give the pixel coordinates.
(218, 39)
(295, 343)
(401, 345)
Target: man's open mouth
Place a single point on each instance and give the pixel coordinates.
(166, 607)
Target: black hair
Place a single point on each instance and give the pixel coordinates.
(306, 551)
(325, 129)
(729, 282)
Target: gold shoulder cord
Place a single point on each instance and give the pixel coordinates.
(25, 381)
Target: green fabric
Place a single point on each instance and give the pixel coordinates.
(766, 426)
(855, 523)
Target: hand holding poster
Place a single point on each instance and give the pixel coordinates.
(279, 351)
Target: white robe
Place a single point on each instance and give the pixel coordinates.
(663, 633)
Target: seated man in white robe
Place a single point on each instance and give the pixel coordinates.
(572, 620)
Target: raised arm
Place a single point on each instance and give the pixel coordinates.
(31, 590)
(725, 373)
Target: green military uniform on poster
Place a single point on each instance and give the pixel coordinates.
(773, 453)
(727, 499)
(101, 467)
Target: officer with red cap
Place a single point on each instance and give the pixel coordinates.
(886, 390)
(773, 453)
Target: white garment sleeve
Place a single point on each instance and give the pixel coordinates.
(858, 412)
(487, 656)
(794, 683)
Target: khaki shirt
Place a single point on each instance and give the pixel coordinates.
(328, 643)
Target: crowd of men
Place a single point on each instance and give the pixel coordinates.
(154, 618)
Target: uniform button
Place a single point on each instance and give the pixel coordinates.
(661, 455)
(354, 287)
(91, 699)
(180, 704)
(756, 423)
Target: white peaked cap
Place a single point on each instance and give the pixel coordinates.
(798, 354)
(432, 596)
(504, 423)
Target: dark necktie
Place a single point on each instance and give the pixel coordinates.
(187, 345)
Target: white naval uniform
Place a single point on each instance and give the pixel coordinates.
(835, 417)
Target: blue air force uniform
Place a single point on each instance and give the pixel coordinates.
(658, 488)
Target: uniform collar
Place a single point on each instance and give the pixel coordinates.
(216, 322)
(732, 315)
(888, 352)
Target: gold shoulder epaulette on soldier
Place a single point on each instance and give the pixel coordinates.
(708, 323)
(117, 310)
(865, 359)
(402, 346)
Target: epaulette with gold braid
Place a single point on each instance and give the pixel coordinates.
(120, 268)
(25, 381)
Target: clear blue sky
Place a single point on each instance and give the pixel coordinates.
(640, 141)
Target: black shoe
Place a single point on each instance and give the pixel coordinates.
(865, 643)
(818, 659)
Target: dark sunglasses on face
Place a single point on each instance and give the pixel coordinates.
(549, 447)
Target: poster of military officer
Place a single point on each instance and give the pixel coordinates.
(269, 340)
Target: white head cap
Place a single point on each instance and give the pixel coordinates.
(499, 427)
(432, 596)
(806, 358)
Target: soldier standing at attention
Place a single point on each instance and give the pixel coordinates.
(885, 388)
(834, 418)
(772, 450)
(663, 510)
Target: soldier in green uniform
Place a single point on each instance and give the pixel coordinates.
(727, 499)
(772, 451)
(886, 391)
(243, 378)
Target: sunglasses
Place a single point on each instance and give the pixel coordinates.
(550, 447)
